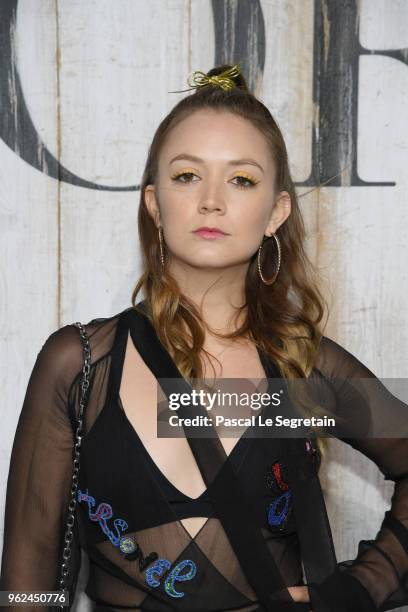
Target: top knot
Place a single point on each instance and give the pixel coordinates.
(224, 80)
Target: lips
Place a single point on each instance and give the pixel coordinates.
(209, 232)
(214, 230)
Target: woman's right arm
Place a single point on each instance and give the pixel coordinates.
(40, 474)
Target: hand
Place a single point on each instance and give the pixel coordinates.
(300, 594)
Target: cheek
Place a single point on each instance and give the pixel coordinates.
(178, 219)
(251, 221)
(249, 228)
(175, 205)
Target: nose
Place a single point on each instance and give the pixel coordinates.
(211, 200)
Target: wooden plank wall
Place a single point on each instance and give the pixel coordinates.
(84, 84)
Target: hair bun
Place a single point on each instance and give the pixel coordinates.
(239, 79)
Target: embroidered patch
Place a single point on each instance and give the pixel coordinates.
(279, 510)
(127, 545)
(159, 568)
(102, 513)
(132, 551)
(312, 450)
(175, 575)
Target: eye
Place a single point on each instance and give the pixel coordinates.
(244, 182)
(244, 179)
(177, 177)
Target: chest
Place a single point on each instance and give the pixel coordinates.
(138, 395)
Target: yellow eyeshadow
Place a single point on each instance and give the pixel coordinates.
(184, 171)
(188, 170)
(247, 176)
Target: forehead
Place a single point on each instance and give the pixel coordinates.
(217, 136)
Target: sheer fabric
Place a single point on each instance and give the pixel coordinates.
(117, 473)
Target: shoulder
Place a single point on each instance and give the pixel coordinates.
(66, 337)
(61, 346)
(62, 351)
(330, 349)
(333, 359)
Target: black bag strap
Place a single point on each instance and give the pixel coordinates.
(68, 534)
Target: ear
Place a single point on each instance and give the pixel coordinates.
(280, 212)
(152, 204)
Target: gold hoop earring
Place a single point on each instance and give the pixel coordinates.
(161, 241)
(273, 279)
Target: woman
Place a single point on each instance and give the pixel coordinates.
(164, 527)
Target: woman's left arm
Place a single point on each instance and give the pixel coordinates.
(378, 578)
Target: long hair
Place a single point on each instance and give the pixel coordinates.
(284, 318)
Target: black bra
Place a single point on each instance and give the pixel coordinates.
(182, 505)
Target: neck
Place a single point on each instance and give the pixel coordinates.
(217, 293)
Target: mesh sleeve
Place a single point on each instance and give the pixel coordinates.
(378, 578)
(40, 474)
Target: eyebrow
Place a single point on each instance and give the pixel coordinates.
(231, 162)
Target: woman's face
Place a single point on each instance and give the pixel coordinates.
(215, 170)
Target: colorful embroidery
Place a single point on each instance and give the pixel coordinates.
(175, 575)
(127, 545)
(103, 512)
(279, 510)
(312, 450)
(277, 472)
(159, 568)
(132, 550)
(276, 517)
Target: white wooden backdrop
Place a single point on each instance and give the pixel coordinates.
(94, 77)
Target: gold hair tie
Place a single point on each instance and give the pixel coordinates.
(223, 80)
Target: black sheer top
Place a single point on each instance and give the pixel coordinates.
(128, 515)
